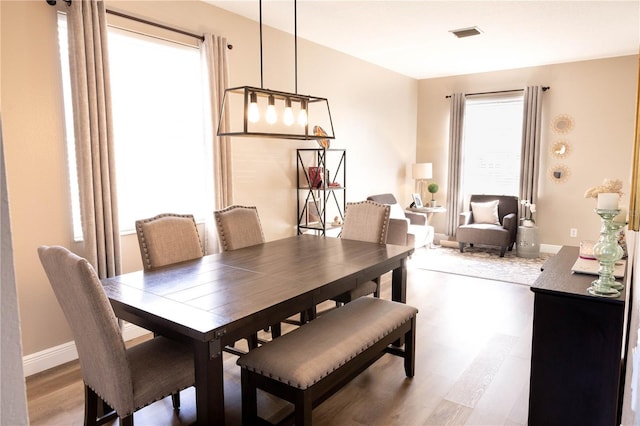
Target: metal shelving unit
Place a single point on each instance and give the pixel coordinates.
(321, 191)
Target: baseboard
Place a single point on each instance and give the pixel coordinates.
(549, 248)
(58, 355)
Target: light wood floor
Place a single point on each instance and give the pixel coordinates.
(472, 368)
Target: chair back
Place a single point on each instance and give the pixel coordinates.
(238, 227)
(366, 221)
(168, 238)
(383, 198)
(95, 329)
(507, 203)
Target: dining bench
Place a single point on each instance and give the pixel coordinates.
(309, 364)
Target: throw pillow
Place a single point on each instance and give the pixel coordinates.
(396, 212)
(486, 212)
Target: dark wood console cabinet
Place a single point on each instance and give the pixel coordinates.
(576, 348)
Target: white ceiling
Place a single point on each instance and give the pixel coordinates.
(413, 38)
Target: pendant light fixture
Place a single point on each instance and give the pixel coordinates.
(260, 112)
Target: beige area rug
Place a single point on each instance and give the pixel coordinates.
(481, 262)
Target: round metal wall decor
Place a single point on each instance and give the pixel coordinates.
(563, 124)
(560, 149)
(559, 173)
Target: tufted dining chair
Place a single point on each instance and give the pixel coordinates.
(364, 221)
(125, 379)
(239, 227)
(168, 238)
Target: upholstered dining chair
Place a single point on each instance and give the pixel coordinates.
(125, 379)
(239, 227)
(365, 221)
(168, 238)
(171, 238)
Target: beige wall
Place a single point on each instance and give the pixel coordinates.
(600, 95)
(374, 113)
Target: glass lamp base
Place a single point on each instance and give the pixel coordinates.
(602, 291)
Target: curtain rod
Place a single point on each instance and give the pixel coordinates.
(154, 24)
(144, 21)
(544, 89)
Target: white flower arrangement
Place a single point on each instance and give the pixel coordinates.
(608, 186)
(528, 208)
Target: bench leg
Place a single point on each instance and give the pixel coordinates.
(303, 408)
(410, 349)
(249, 399)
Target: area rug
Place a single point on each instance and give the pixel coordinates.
(481, 262)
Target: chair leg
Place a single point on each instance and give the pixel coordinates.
(502, 251)
(276, 330)
(175, 399)
(91, 402)
(96, 411)
(252, 341)
(461, 246)
(377, 292)
(127, 421)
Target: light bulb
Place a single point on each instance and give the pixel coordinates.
(272, 116)
(288, 113)
(254, 113)
(302, 115)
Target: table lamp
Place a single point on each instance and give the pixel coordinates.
(420, 173)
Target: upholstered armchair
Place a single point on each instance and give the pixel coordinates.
(491, 220)
(405, 228)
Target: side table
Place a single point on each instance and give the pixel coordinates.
(429, 211)
(527, 242)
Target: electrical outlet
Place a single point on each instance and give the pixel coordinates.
(573, 232)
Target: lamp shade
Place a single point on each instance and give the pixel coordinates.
(422, 171)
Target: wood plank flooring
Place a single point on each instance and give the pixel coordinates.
(472, 368)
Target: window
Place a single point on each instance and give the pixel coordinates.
(158, 106)
(491, 146)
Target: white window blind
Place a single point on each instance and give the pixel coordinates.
(158, 105)
(491, 147)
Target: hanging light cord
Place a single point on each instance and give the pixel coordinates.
(261, 73)
(295, 42)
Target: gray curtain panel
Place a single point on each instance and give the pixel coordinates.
(13, 410)
(531, 128)
(454, 195)
(216, 58)
(88, 60)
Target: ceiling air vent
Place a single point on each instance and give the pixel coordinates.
(466, 32)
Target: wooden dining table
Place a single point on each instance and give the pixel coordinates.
(218, 299)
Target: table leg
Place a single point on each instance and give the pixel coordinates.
(399, 283)
(209, 384)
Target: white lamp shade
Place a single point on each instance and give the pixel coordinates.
(422, 171)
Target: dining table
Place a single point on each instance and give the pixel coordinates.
(218, 299)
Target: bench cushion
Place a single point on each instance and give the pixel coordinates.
(306, 355)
